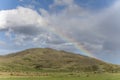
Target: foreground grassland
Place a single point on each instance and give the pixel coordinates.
(61, 76)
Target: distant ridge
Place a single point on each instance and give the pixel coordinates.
(46, 59)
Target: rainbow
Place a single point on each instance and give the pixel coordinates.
(75, 43)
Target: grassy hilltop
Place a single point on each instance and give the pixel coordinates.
(39, 59)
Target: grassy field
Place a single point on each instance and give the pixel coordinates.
(63, 76)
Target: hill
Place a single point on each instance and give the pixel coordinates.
(39, 59)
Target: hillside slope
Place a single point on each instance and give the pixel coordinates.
(39, 59)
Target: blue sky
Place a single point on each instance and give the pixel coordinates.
(11, 4)
(8, 4)
(92, 4)
(62, 25)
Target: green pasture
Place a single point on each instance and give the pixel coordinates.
(64, 76)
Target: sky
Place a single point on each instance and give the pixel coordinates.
(86, 27)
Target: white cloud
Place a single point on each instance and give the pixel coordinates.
(62, 2)
(25, 28)
(22, 23)
(20, 17)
